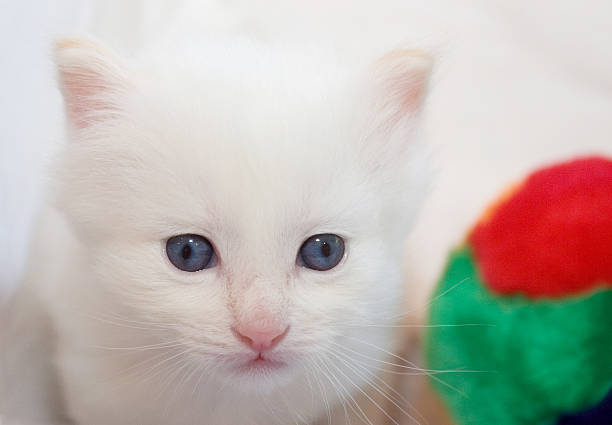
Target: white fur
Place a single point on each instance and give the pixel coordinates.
(257, 148)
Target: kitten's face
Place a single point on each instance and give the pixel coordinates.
(197, 189)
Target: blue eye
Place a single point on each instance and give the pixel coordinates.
(321, 252)
(190, 253)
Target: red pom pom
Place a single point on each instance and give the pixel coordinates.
(553, 236)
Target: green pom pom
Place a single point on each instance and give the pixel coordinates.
(518, 361)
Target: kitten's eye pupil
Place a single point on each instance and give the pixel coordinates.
(325, 249)
(186, 252)
(321, 252)
(190, 253)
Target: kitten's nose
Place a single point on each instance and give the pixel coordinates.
(260, 336)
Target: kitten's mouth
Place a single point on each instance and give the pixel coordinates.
(262, 363)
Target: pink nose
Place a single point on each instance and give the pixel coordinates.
(260, 338)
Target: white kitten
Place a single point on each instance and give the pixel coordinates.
(249, 151)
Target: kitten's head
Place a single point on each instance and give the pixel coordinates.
(252, 202)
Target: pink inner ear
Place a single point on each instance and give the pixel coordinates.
(90, 76)
(411, 93)
(84, 93)
(404, 75)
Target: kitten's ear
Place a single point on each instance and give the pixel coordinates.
(400, 82)
(90, 78)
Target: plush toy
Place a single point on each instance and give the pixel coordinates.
(525, 306)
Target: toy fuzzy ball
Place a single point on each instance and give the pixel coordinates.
(528, 298)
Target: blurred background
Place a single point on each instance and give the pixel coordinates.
(518, 84)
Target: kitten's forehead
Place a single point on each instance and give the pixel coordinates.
(258, 139)
(267, 107)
